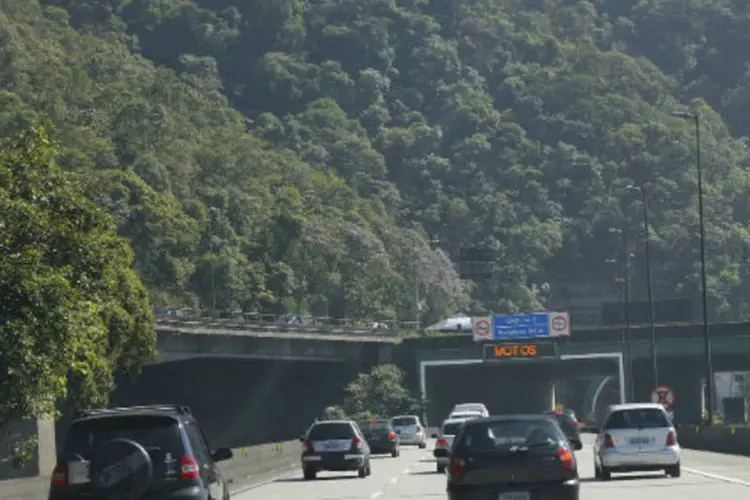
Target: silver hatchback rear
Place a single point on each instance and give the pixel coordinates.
(636, 437)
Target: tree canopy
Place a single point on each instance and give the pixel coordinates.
(332, 156)
(72, 310)
(379, 393)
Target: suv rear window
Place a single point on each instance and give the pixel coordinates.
(149, 431)
(643, 418)
(504, 434)
(452, 428)
(374, 426)
(334, 430)
(159, 435)
(404, 421)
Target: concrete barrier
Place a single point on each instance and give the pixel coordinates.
(734, 440)
(249, 465)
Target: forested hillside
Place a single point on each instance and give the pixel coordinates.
(329, 156)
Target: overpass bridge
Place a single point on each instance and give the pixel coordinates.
(255, 381)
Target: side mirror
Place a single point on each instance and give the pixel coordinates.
(222, 454)
(576, 444)
(433, 435)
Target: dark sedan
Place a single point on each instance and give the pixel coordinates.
(512, 457)
(381, 437)
(570, 426)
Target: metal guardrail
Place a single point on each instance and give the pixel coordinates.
(280, 324)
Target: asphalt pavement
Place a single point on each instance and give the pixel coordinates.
(412, 476)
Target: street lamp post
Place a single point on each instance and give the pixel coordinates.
(649, 282)
(695, 118)
(625, 339)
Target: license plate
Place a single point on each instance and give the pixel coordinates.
(516, 495)
(78, 472)
(329, 446)
(640, 441)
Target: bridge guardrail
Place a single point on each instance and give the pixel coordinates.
(731, 439)
(276, 324)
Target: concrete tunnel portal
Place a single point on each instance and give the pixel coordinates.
(521, 385)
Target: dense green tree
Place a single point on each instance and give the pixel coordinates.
(277, 156)
(380, 393)
(73, 310)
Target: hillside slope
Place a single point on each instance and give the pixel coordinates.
(507, 130)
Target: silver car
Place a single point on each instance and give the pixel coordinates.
(444, 442)
(636, 437)
(471, 408)
(409, 430)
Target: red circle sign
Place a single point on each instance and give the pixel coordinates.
(482, 328)
(663, 395)
(559, 324)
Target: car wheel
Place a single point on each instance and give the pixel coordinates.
(597, 471)
(604, 474)
(362, 472)
(422, 446)
(441, 469)
(395, 452)
(674, 471)
(309, 474)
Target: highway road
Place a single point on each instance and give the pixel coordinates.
(412, 476)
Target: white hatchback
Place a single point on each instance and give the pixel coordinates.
(409, 430)
(636, 437)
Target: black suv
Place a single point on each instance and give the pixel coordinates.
(335, 445)
(380, 436)
(139, 452)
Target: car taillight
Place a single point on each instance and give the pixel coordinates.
(608, 442)
(575, 421)
(306, 446)
(671, 439)
(356, 442)
(189, 468)
(59, 475)
(566, 459)
(442, 442)
(391, 435)
(457, 467)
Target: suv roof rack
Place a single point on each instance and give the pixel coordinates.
(179, 409)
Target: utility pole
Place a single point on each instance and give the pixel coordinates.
(710, 389)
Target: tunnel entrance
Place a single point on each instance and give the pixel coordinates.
(522, 385)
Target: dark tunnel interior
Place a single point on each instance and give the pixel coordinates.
(513, 387)
(239, 402)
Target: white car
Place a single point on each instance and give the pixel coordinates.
(471, 407)
(409, 430)
(445, 437)
(464, 415)
(636, 437)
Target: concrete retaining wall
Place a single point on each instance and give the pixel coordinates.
(717, 438)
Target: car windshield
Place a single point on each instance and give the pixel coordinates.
(466, 415)
(333, 430)
(509, 434)
(404, 421)
(468, 408)
(639, 418)
(374, 427)
(451, 428)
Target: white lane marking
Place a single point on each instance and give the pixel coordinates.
(709, 475)
(376, 495)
